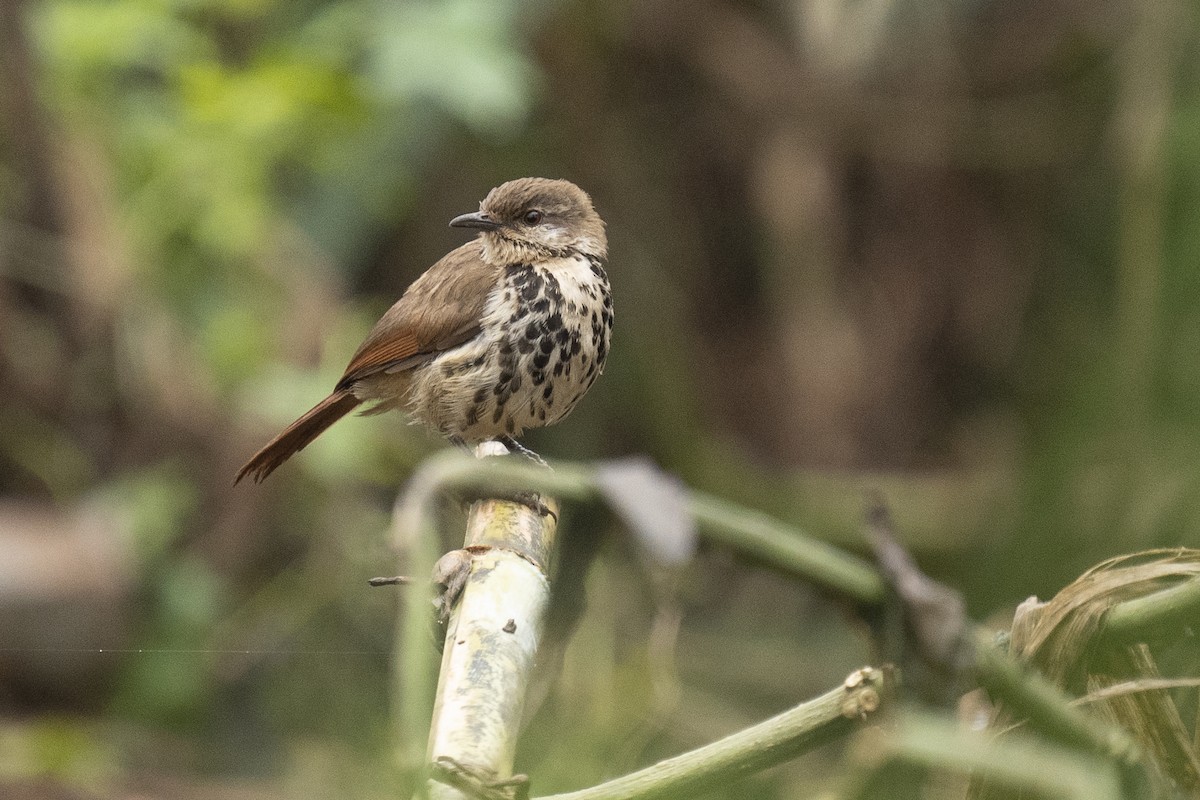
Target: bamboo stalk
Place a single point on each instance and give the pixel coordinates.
(491, 641)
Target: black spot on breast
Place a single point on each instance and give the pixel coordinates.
(541, 306)
(541, 360)
(480, 395)
(554, 321)
(542, 414)
(562, 336)
(473, 415)
(558, 369)
(510, 425)
(516, 383)
(519, 275)
(539, 377)
(546, 344)
(552, 286)
(564, 353)
(576, 345)
(548, 394)
(506, 348)
(524, 346)
(496, 414)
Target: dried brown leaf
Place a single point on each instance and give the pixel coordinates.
(1061, 637)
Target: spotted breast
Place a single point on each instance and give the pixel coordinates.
(543, 341)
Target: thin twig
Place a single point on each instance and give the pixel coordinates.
(395, 580)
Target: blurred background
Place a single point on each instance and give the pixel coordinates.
(944, 250)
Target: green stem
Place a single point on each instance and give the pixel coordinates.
(1164, 610)
(783, 737)
(1047, 708)
(915, 743)
(787, 548)
(754, 534)
(415, 534)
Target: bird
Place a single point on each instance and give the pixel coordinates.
(502, 334)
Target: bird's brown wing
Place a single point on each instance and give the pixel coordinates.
(440, 310)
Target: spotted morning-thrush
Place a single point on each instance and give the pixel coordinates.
(502, 334)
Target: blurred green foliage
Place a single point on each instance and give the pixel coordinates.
(948, 252)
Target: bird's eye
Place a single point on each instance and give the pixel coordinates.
(532, 217)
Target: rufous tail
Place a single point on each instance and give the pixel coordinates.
(297, 435)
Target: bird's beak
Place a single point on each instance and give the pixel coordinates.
(477, 219)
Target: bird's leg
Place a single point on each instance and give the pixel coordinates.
(530, 499)
(516, 447)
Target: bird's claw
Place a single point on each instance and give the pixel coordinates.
(533, 501)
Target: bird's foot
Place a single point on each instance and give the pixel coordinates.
(532, 501)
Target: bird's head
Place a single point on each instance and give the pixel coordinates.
(534, 218)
